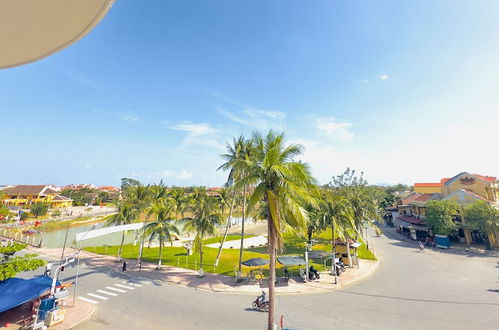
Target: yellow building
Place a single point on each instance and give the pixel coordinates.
(464, 188)
(25, 195)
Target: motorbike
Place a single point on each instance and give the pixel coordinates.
(313, 274)
(340, 267)
(260, 306)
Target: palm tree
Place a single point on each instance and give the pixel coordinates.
(206, 216)
(284, 185)
(227, 197)
(163, 227)
(126, 215)
(178, 195)
(234, 163)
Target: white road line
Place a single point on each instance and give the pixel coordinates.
(97, 296)
(108, 293)
(115, 289)
(125, 286)
(88, 300)
(131, 283)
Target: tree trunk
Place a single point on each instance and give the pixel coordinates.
(349, 255)
(227, 226)
(271, 239)
(121, 246)
(160, 246)
(201, 257)
(242, 230)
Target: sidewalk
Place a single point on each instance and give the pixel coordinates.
(217, 283)
(456, 248)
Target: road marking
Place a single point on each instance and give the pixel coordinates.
(125, 286)
(108, 293)
(97, 296)
(132, 283)
(144, 282)
(88, 300)
(115, 289)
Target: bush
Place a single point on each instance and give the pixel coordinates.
(39, 209)
(56, 213)
(24, 216)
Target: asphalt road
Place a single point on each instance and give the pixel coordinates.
(410, 290)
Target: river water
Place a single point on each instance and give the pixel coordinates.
(55, 239)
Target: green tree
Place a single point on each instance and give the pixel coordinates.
(163, 226)
(284, 185)
(126, 214)
(205, 217)
(39, 209)
(11, 265)
(481, 216)
(236, 160)
(440, 216)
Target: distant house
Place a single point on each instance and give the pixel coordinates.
(25, 195)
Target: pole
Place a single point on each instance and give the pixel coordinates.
(306, 261)
(76, 280)
(64, 247)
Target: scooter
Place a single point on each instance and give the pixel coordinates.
(340, 267)
(313, 274)
(260, 306)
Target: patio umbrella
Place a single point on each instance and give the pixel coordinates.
(253, 262)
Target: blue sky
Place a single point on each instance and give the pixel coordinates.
(404, 91)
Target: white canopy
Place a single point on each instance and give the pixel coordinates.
(105, 231)
(33, 29)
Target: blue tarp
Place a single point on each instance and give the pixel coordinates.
(16, 291)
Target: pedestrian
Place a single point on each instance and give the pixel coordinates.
(421, 247)
(123, 269)
(48, 269)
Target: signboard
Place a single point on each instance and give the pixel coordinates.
(467, 180)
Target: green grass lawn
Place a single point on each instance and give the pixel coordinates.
(176, 256)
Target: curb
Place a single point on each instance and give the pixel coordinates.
(84, 319)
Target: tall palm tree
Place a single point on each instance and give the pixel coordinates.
(284, 185)
(227, 197)
(179, 196)
(234, 163)
(163, 226)
(205, 217)
(126, 214)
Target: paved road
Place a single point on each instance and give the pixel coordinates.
(410, 290)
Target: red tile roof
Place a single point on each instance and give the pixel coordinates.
(413, 220)
(486, 178)
(424, 197)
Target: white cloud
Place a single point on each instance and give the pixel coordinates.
(129, 116)
(384, 77)
(330, 126)
(362, 81)
(249, 115)
(182, 175)
(195, 129)
(88, 165)
(201, 134)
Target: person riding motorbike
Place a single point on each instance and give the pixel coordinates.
(313, 274)
(262, 298)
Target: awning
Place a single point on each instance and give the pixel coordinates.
(255, 262)
(291, 261)
(320, 254)
(16, 291)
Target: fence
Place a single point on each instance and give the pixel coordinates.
(22, 238)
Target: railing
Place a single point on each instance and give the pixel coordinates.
(22, 238)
